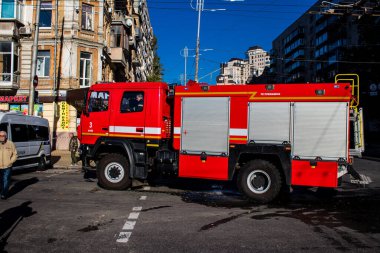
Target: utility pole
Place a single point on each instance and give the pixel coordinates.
(34, 59)
(185, 54)
(199, 8)
(55, 59)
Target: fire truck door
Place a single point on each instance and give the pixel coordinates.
(95, 123)
(128, 116)
(205, 137)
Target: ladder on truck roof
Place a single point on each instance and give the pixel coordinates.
(356, 113)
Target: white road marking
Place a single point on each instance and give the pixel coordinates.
(124, 237)
(129, 225)
(133, 216)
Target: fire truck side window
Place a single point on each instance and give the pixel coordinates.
(132, 102)
(98, 101)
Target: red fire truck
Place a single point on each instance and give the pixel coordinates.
(267, 137)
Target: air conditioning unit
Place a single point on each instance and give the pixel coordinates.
(25, 30)
(132, 41)
(109, 10)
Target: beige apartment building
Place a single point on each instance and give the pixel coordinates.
(239, 71)
(234, 71)
(81, 42)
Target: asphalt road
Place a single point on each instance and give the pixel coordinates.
(59, 211)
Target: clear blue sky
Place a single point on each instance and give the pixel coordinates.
(230, 33)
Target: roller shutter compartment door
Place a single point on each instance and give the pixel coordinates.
(320, 130)
(205, 125)
(269, 122)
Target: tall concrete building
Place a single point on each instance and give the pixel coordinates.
(310, 49)
(328, 40)
(81, 42)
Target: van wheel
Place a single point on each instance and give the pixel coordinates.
(260, 181)
(42, 164)
(113, 172)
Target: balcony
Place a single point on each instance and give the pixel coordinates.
(118, 56)
(11, 10)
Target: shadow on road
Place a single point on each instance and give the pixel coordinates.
(55, 159)
(21, 185)
(10, 218)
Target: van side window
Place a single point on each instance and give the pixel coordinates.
(19, 132)
(4, 127)
(98, 101)
(38, 133)
(132, 102)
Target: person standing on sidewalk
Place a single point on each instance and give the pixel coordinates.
(8, 155)
(73, 148)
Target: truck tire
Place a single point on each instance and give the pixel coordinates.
(113, 172)
(260, 181)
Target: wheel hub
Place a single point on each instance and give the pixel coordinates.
(258, 181)
(114, 172)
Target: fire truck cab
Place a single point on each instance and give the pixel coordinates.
(268, 137)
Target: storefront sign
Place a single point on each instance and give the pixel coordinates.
(65, 115)
(13, 99)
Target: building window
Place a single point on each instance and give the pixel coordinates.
(85, 69)
(45, 14)
(87, 17)
(118, 37)
(43, 63)
(8, 61)
(7, 9)
(5, 61)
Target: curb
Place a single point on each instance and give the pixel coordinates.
(376, 159)
(66, 167)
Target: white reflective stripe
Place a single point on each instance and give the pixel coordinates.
(132, 130)
(153, 130)
(238, 131)
(123, 129)
(177, 130)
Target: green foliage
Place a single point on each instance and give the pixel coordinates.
(156, 75)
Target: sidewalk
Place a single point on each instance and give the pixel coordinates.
(61, 159)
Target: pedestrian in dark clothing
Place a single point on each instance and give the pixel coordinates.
(73, 147)
(8, 155)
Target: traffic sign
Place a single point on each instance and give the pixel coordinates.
(35, 81)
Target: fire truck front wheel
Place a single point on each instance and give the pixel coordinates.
(113, 172)
(260, 181)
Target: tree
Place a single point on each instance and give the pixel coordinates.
(156, 75)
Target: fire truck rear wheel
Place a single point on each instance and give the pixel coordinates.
(260, 181)
(113, 172)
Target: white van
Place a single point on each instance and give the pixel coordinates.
(31, 136)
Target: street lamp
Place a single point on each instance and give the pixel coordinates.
(199, 8)
(185, 53)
